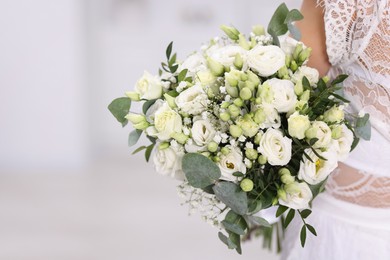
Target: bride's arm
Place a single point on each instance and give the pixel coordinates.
(313, 35)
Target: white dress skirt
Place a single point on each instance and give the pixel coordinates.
(344, 231)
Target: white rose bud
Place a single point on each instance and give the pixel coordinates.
(297, 196)
(249, 127)
(166, 122)
(205, 77)
(266, 60)
(297, 125)
(276, 147)
(168, 162)
(321, 131)
(344, 143)
(334, 114)
(149, 87)
(283, 95)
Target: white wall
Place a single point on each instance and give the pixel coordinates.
(42, 84)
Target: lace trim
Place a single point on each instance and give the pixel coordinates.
(360, 188)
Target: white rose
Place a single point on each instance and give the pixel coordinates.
(318, 170)
(194, 63)
(205, 77)
(334, 114)
(310, 73)
(166, 122)
(266, 60)
(288, 45)
(149, 87)
(231, 163)
(344, 143)
(272, 117)
(226, 54)
(202, 134)
(168, 162)
(298, 196)
(275, 147)
(283, 97)
(297, 125)
(193, 100)
(322, 132)
(152, 110)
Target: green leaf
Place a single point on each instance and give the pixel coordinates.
(303, 236)
(182, 75)
(260, 221)
(139, 149)
(318, 188)
(305, 213)
(289, 218)
(305, 83)
(233, 227)
(119, 108)
(226, 241)
(169, 50)
(255, 206)
(281, 210)
(232, 195)
(293, 15)
(311, 229)
(236, 240)
(362, 121)
(238, 174)
(199, 170)
(313, 141)
(277, 25)
(296, 34)
(354, 143)
(148, 152)
(134, 137)
(339, 79)
(173, 69)
(274, 37)
(147, 105)
(172, 60)
(340, 97)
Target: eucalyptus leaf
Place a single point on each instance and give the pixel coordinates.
(295, 33)
(277, 23)
(199, 170)
(119, 108)
(236, 240)
(233, 227)
(293, 15)
(259, 221)
(134, 137)
(226, 241)
(147, 105)
(255, 206)
(232, 195)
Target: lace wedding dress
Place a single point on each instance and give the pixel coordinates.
(352, 217)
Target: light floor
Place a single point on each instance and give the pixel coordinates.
(117, 209)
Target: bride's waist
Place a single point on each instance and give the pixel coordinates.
(359, 187)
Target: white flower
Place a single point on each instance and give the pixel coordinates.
(322, 132)
(168, 162)
(152, 110)
(205, 77)
(334, 114)
(226, 54)
(275, 147)
(288, 45)
(148, 87)
(166, 122)
(282, 95)
(318, 170)
(272, 117)
(266, 60)
(344, 143)
(193, 100)
(202, 134)
(298, 196)
(231, 163)
(297, 125)
(310, 73)
(249, 127)
(194, 63)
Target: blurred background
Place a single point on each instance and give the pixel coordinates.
(69, 187)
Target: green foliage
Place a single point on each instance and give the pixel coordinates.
(289, 218)
(281, 210)
(134, 137)
(303, 236)
(119, 108)
(199, 170)
(232, 195)
(147, 105)
(148, 152)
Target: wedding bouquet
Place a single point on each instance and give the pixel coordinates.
(245, 125)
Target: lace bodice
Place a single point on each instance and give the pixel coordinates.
(358, 44)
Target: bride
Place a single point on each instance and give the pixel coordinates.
(352, 217)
